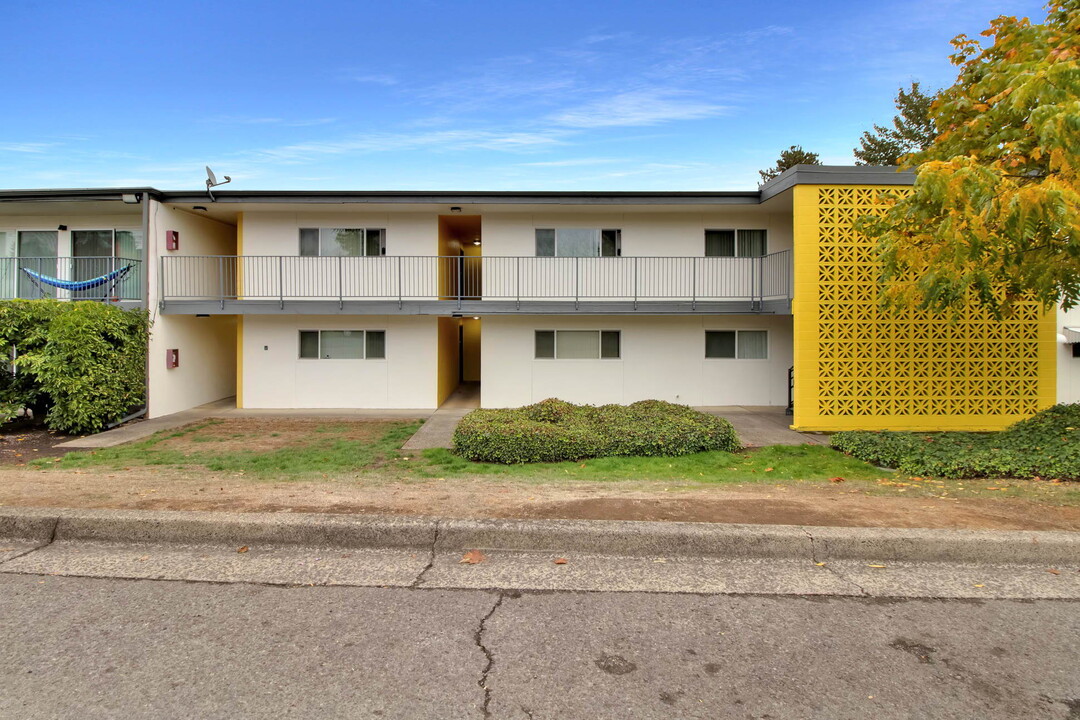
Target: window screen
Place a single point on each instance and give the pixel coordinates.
(344, 242)
(720, 344)
(577, 242)
(609, 344)
(545, 344)
(577, 344)
(719, 243)
(341, 344)
(309, 242)
(375, 344)
(309, 344)
(375, 243)
(545, 243)
(610, 243)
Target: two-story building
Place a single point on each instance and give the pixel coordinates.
(395, 299)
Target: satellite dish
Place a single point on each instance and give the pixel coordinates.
(212, 181)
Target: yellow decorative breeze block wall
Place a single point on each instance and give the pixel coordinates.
(858, 367)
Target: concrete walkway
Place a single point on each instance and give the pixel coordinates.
(438, 431)
(759, 425)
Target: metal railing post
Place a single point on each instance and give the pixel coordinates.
(635, 281)
(161, 282)
(281, 282)
(693, 284)
(399, 289)
(460, 279)
(517, 281)
(221, 280)
(340, 286)
(577, 288)
(761, 283)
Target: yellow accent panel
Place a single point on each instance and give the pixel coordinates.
(239, 361)
(857, 367)
(448, 357)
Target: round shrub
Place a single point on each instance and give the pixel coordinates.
(554, 430)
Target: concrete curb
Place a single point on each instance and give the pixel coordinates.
(625, 538)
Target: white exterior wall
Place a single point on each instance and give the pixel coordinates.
(274, 376)
(663, 358)
(207, 370)
(1068, 367)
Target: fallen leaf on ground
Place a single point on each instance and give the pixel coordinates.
(978, 586)
(820, 564)
(473, 557)
(836, 479)
(1054, 571)
(560, 561)
(242, 550)
(875, 566)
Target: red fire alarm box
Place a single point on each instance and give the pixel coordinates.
(172, 358)
(172, 239)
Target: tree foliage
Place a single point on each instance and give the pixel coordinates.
(995, 210)
(912, 130)
(794, 155)
(82, 362)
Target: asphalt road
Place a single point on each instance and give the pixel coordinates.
(74, 647)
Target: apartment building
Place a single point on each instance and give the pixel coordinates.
(396, 299)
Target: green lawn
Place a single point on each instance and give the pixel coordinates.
(368, 452)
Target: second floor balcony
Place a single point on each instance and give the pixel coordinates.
(474, 284)
(106, 278)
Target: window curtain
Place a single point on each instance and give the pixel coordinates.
(578, 242)
(578, 344)
(129, 246)
(751, 243)
(341, 242)
(342, 344)
(753, 344)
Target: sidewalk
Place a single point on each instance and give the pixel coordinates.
(540, 555)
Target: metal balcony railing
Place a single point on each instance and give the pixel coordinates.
(15, 283)
(522, 279)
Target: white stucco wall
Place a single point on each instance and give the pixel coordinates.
(662, 358)
(275, 377)
(207, 346)
(1068, 368)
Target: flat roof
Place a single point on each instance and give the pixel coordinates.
(798, 175)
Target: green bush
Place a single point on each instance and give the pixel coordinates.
(84, 363)
(1046, 445)
(555, 430)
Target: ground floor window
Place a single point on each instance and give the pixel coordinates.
(343, 344)
(737, 344)
(578, 344)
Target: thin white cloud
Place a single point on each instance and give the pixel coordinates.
(573, 162)
(638, 108)
(27, 147)
(373, 79)
(255, 120)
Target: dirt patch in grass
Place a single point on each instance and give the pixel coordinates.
(261, 435)
(22, 441)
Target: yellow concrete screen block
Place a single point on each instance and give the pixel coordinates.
(858, 366)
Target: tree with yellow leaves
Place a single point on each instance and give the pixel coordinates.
(995, 210)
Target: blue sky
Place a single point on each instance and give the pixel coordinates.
(468, 95)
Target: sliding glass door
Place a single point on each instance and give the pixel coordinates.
(37, 251)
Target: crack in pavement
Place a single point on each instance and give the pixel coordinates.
(478, 638)
(827, 567)
(431, 559)
(47, 543)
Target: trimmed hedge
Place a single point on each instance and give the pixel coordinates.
(1046, 445)
(554, 430)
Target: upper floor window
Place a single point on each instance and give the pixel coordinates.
(578, 242)
(736, 243)
(342, 242)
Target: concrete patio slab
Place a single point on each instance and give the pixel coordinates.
(758, 426)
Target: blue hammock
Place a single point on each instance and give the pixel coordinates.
(110, 279)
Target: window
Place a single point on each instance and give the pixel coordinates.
(578, 344)
(343, 344)
(342, 242)
(578, 242)
(737, 344)
(735, 243)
